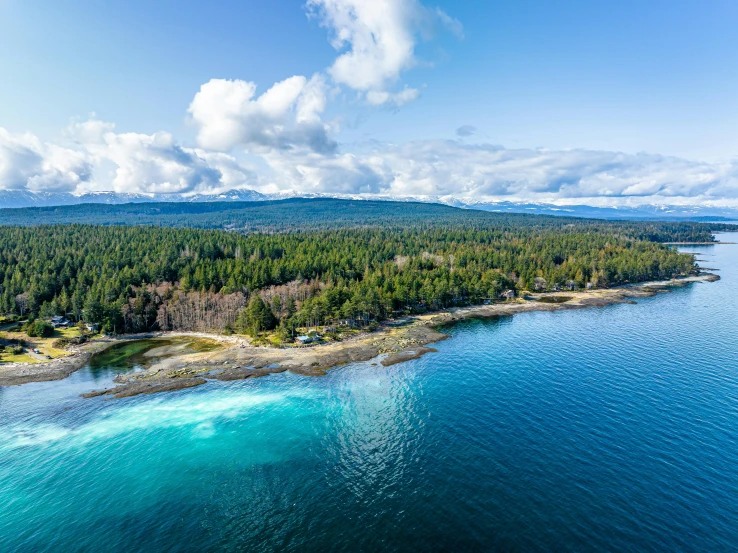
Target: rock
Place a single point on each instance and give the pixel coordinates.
(147, 387)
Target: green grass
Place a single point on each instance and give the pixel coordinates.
(21, 358)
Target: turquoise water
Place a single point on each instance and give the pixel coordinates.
(611, 428)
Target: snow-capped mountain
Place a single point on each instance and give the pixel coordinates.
(22, 198)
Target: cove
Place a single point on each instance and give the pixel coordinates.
(606, 428)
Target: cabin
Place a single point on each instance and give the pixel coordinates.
(92, 327)
(508, 295)
(304, 340)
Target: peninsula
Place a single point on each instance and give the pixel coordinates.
(304, 286)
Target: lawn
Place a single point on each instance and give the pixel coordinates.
(44, 345)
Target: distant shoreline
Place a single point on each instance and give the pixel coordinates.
(394, 342)
(697, 243)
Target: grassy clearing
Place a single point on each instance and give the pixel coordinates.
(44, 345)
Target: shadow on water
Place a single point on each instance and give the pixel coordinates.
(472, 323)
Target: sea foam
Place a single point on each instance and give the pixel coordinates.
(150, 414)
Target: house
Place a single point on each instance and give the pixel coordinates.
(59, 321)
(508, 295)
(304, 340)
(590, 286)
(92, 327)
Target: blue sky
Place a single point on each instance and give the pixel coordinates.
(596, 102)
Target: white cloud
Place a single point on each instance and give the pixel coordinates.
(156, 164)
(379, 39)
(398, 99)
(101, 159)
(286, 116)
(337, 174)
(90, 131)
(28, 163)
(312, 100)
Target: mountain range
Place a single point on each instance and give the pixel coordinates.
(22, 198)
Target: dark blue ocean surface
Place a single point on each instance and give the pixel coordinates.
(600, 429)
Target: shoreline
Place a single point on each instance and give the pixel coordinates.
(717, 243)
(395, 341)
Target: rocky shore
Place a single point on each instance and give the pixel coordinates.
(394, 342)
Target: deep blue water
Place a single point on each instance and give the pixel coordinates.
(601, 429)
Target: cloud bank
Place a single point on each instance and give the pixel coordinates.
(101, 159)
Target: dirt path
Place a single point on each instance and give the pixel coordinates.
(35, 355)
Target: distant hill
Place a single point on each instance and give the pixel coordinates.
(21, 198)
(317, 214)
(264, 216)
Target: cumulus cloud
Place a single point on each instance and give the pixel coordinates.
(27, 163)
(228, 113)
(155, 163)
(378, 41)
(139, 163)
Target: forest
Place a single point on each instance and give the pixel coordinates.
(140, 278)
(306, 214)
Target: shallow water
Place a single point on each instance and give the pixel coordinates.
(607, 428)
(138, 354)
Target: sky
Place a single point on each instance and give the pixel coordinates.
(601, 103)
